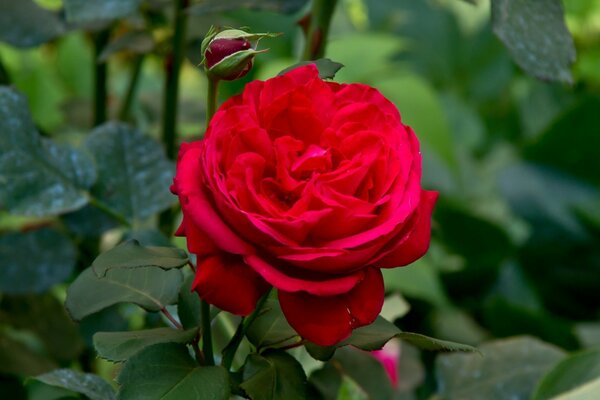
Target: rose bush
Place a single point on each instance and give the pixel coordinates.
(308, 186)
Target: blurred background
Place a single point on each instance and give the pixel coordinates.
(516, 235)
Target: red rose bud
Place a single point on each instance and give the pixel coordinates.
(218, 49)
(228, 55)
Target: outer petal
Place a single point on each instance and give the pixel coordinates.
(226, 282)
(327, 320)
(415, 244)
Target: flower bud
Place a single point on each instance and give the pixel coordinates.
(228, 55)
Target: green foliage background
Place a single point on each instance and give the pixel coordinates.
(516, 233)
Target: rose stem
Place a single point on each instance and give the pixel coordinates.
(132, 87)
(231, 348)
(211, 99)
(293, 345)
(173, 63)
(167, 314)
(207, 347)
(318, 29)
(100, 77)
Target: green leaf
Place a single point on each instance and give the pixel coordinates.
(46, 317)
(37, 176)
(274, 375)
(166, 372)
(536, 36)
(119, 346)
(571, 373)
(375, 336)
(89, 385)
(85, 11)
(428, 343)
(588, 391)
(350, 390)
(509, 368)
(270, 327)
(573, 127)
(418, 280)
(131, 254)
(25, 24)
(327, 68)
(33, 262)
(188, 305)
(134, 174)
(149, 287)
(420, 108)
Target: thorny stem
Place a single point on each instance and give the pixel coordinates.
(318, 29)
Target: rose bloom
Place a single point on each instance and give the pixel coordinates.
(307, 186)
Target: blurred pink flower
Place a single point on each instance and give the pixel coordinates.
(389, 357)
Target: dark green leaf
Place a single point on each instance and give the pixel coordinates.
(572, 372)
(579, 158)
(131, 254)
(274, 375)
(536, 36)
(370, 337)
(25, 24)
(46, 317)
(509, 368)
(327, 68)
(85, 11)
(119, 346)
(166, 372)
(134, 174)
(428, 343)
(149, 287)
(18, 359)
(89, 385)
(37, 176)
(188, 305)
(89, 221)
(33, 262)
(350, 390)
(546, 198)
(270, 326)
(215, 6)
(419, 280)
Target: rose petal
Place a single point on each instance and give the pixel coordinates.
(415, 244)
(226, 282)
(327, 320)
(285, 281)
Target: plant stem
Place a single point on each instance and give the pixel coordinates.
(100, 78)
(170, 317)
(173, 63)
(132, 88)
(316, 39)
(293, 345)
(211, 99)
(231, 348)
(207, 347)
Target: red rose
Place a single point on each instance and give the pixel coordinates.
(310, 187)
